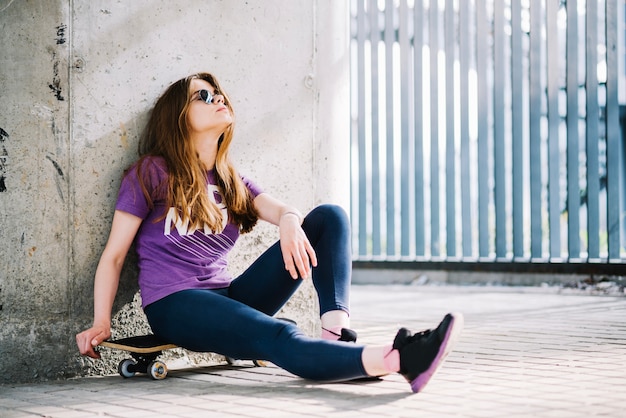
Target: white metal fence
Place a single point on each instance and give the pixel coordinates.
(487, 130)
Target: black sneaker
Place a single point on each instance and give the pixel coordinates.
(346, 335)
(421, 354)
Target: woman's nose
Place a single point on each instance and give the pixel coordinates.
(218, 98)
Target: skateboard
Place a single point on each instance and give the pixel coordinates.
(145, 350)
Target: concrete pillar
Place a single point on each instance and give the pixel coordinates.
(77, 79)
(36, 277)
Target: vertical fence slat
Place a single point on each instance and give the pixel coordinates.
(573, 186)
(592, 124)
(535, 92)
(498, 134)
(389, 167)
(517, 122)
(418, 111)
(375, 126)
(613, 136)
(362, 198)
(554, 119)
(449, 38)
(464, 54)
(433, 42)
(483, 128)
(403, 40)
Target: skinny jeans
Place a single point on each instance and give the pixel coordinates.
(238, 321)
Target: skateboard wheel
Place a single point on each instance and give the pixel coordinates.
(124, 368)
(157, 370)
(259, 363)
(232, 361)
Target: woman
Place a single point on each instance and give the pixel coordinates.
(184, 205)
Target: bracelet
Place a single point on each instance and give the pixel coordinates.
(292, 213)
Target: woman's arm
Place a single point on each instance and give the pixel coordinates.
(272, 210)
(298, 254)
(123, 231)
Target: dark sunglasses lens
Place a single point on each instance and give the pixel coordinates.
(206, 96)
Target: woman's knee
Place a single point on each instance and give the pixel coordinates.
(329, 214)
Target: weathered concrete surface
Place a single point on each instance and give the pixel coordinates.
(76, 82)
(35, 202)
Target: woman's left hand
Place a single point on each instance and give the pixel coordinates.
(298, 254)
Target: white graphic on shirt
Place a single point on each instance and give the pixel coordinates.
(209, 244)
(183, 227)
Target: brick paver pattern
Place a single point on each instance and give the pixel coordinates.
(524, 352)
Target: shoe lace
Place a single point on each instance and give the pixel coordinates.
(404, 337)
(419, 335)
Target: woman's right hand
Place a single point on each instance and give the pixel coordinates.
(91, 338)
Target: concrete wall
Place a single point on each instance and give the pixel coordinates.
(76, 81)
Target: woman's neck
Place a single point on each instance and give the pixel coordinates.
(207, 152)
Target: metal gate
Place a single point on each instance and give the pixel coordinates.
(488, 131)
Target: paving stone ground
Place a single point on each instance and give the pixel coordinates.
(524, 352)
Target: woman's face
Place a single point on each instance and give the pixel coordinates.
(207, 118)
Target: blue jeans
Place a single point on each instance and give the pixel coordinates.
(238, 322)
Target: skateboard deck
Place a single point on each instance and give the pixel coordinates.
(140, 344)
(145, 350)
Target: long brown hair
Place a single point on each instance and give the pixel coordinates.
(167, 135)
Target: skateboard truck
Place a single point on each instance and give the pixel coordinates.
(143, 364)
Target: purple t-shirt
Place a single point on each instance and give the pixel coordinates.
(172, 257)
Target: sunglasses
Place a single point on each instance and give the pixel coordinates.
(206, 96)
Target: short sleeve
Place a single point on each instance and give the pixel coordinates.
(131, 197)
(254, 189)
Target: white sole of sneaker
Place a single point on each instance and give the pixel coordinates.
(452, 335)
